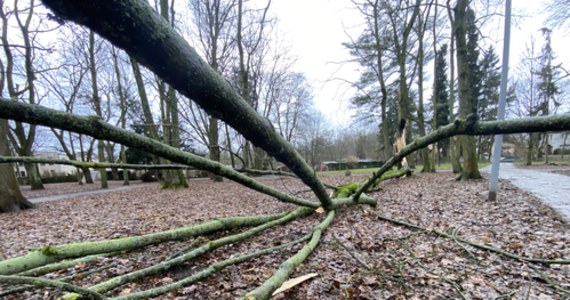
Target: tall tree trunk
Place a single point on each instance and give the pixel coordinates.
(24, 140)
(434, 155)
(175, 178)
(85, 157)
(213, 138)
(401, 40)
(471, 167)
(34, 177)
(171, 131)
(149, 126)
(229, 145)
(380, 74)
(546, 148)
(111, 158)
(258, 158)
(427, 166)
(454, 147)
(123, 117)
(11, 198)
(97, 104)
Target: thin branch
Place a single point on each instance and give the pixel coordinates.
(50, 254)
(287, 267)
(477, 245)
(42, 282)
(84, 164)
(97, 128)
(213, 268)
(207, 247)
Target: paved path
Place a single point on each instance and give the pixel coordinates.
(553, 189)
(84, 193)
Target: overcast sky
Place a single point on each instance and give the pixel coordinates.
(316, 30)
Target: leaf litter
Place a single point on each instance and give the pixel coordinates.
(359, 257)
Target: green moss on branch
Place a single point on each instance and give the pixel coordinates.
(42, 282)
(207, 247)
(286, 268)
(38, 258)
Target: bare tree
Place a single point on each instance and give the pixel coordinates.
(454, 145)
(214, 21)
(250, 38)
(170, 112)
(97, 105)
(11, 198)
(22, 136)
(371, 50)
(421, 28)
(123, 106)
(64, 84)
(403, 16)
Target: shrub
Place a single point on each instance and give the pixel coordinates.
(60, 178)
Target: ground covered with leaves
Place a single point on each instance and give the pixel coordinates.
(361, 256)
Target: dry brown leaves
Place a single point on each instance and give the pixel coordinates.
(403, 264)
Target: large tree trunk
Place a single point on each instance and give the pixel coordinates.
(387, 145)
(24, 137)
(171, 132)
(401, 45)
(454, 146)
(471, 167)
(34, 177)
(434, 155)
(97, 105)
(87, 173)
(213, 138)
(427, 166)
(11, 198)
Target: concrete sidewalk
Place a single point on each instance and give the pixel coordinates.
(553, 189)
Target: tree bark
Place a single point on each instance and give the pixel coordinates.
(380, 75)
(453, 142)
(23, 140)
(123, 117)
(97, 105)
(213, 138)
(427, 166)
(434, 155)
(401, 40)
(468, 148)
(11, 198)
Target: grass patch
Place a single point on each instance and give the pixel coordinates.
(444, 166)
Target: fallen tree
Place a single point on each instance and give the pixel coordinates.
(146, 36)
(347, 195)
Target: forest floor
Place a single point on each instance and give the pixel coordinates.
(392, 261)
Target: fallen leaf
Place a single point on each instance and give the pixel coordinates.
(293, 282)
